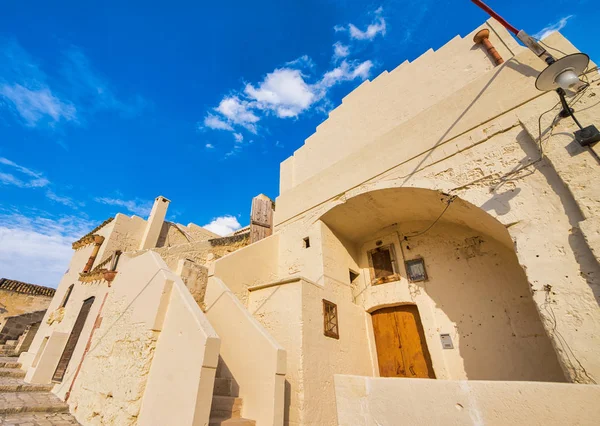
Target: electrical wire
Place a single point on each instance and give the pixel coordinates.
(563, 342)
(450, 200)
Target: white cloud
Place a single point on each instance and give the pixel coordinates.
(292, 89)
(137, 207)
(557, 26)
(68, 96)
(223, 225)
(38, 250)
(34, 105)
(88, 87)
(378, 26)
(283, 91)
(209, 146)
(31, 179)
(346, 71)
(303, 61)
(51, 195)
(216, 123)
(340, 51)
(239, 112)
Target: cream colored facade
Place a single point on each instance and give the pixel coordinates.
(439, 160)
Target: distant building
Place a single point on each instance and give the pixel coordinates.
(22, 307)
(432, 258)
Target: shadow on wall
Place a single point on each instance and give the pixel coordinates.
(514, 65)
(478, 284)
(588, 265)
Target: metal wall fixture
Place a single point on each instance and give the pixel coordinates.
(560, 75)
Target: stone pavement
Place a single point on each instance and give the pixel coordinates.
(25, 404)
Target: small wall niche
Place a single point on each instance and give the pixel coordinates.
(306, 242)
(353, 276)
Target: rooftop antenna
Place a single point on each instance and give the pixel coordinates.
(560, 75)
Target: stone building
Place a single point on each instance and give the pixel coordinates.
(22, 307)
(432, 257)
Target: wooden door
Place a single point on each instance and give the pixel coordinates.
(63, 363)
(261, 218)
(400, 341)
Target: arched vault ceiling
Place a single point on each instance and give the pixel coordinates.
(363, 215)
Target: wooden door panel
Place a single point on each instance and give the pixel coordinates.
(400, 341)
(65, 358)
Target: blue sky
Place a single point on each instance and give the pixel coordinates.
(105, 105)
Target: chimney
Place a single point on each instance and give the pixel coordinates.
(155, 223)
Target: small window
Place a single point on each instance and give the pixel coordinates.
(306, 242)
(330, 320)
(416, 270)
(66, 298)
(382, 262)
(353, 276)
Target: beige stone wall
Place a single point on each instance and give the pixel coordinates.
(479, 143)
(478, 293)
(13, 303)
(366, 401)
(392, 98)
(252, 265)
(254, 359)
(144, 314)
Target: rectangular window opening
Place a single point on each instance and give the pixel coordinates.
(306, 242)
(330, 320)
(382, 262)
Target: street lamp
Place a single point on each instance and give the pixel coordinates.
(560, 75)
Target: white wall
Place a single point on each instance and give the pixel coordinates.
(366, 401)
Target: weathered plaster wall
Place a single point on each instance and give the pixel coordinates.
(195, 278)
(256, 361)
(450, 125)
(173, 234)
(181, 379)
(111, 383)
(366, 401)
(480, 143)
(13, 303)
(477, 292)
(123, 233)
(380, 105)
(249, 266)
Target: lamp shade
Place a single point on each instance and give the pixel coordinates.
(563, 73)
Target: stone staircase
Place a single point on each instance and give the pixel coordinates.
(8, 348)
(226, 408)
(25, 403)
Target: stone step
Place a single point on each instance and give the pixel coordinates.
(21, 402)
(231, 422)
(11, 372)
(13, 384)
(38, 419)
(224, 407)
(222, 386)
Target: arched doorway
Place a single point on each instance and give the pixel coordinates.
(458, 265)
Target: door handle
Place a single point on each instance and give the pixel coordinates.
(412, 370)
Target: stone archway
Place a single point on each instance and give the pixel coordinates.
(476, 291)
